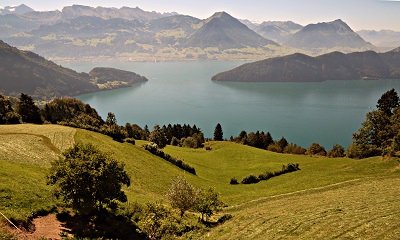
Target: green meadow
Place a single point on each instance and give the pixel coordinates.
(327, 198)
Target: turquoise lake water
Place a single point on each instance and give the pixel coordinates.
(327, 113)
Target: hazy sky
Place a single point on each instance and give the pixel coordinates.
(359, 14)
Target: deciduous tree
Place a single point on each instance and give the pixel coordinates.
(88, 179)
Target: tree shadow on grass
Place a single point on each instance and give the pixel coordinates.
(100, 225)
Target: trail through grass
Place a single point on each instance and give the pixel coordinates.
(361, 209)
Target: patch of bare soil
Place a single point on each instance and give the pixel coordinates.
(46, 227)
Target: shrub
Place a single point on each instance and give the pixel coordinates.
(275, 147)
(316, 149)
(337, 151)
(294, 149)
(130, 140)
(250, 179)
(234, 181)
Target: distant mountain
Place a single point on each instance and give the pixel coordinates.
(11, 24)
(21, 9)
(336, 35)
(278, 31)
(104, 75)
(223, 31)
(332, 66)
(27, 72)
(75, 11)
(384, 39)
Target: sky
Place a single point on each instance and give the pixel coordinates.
(358, 14)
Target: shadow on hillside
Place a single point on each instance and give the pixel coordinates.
(103, 225)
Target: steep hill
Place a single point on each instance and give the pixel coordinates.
(27, 72)
(303, 68)
(328, 35)
(224, 31)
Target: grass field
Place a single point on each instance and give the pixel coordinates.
(343, 196)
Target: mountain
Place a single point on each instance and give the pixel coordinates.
(127, 13)
(21, 9)
(223, 31)
(27, 72)
(332, 66)
(279, 31)
(11, 24)
(384, 39)
(336, 35)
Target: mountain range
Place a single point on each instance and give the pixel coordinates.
(332, 66)
(132, 34)
(27, 72)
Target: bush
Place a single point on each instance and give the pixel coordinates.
(337, 151)
(316, 149)
(130, 140)
(234, 181)
(152, 148)
(275, 147)
(250, 179)
(294, 149)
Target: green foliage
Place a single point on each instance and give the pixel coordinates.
(218, 134)
(388, 102)
(5, 110)
(72, 112)
(182, 195)
(316, 149)
(156, 221)
(152, 148)
(290, 167)
(158, 137)
(379, 131)
(337, 151)
(28, 111)
(208, 202)
(294, 149)
(88, 179)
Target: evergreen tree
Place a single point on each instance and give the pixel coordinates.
(28, 111)
(218, 134)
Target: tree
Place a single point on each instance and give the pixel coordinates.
(158, 137)
(337, 151)
(87, 179)
(156, 221)
(388, 102)
(316, 149)
(5, 109)
(181, 195)
(28, 111)
(208, 202)
(218, 134)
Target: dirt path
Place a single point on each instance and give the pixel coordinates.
(47, 227)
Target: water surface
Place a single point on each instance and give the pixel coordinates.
(327, 113)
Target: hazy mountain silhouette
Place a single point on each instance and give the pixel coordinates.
(331, 66)
(327, 35)
(223, 31)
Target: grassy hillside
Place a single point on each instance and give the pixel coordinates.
(325, 191)
(227, 160)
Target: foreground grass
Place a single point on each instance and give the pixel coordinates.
(360, 209)
(23, 189)
(227, 160)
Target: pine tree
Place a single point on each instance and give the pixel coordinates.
(218, 134)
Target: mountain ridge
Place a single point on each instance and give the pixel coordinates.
(332, 66)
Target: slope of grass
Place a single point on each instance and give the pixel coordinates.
(360, 209)
(256, 209)
(227, 160)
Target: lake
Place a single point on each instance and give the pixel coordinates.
(327, 113)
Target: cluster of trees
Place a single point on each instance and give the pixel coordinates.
(21, 110)
(379, 134)
(265, 141)
(177, 135)
(90, 182)
(290, 167)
